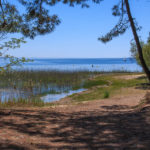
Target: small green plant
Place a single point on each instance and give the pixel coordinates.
(106, 94)
(92, 83)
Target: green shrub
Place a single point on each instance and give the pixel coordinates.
(145, 51)
(106, 94)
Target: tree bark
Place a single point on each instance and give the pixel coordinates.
(144, 66)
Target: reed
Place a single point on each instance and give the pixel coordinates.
(21, 87)
(25, 87)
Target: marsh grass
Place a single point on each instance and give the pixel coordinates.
(28, 86)
(22, 102)
(40, 83)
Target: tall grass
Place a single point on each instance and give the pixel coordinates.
(25, 87)
(18, 86)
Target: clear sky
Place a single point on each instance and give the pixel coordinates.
(76, 36)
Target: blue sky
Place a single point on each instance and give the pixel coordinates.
(76, 36)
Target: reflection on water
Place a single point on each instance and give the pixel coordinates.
(10, 94)
(55, 97)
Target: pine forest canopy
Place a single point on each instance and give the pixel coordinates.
(35, 20)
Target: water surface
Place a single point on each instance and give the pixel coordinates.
(56, 97)
(93, 64)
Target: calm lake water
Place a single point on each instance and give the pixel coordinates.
(56, 97)
(99, 64)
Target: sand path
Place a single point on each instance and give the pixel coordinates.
(110, 124)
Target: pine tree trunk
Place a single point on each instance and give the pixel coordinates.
(144, 66)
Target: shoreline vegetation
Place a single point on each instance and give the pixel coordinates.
(25, 88)
(28, 86)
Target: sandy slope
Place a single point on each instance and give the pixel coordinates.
(110, 124)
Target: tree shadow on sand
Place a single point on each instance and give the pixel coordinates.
(11, 146)
(91, 130)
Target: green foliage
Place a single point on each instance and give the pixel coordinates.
(119, 10)
(92, 83)
(9, 60)
(12, 43)
(120, 28)
(34, 18)
(145, 50)
(106, 94)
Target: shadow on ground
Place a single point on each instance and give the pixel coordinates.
(78, 130)
(143, 86)
(115, 107)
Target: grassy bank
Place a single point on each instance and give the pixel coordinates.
(39, 83)
(108, 85)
